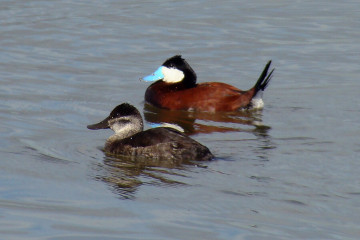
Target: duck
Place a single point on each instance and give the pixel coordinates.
(131, 140)
(175, 88)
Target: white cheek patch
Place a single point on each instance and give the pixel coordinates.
(172, 75)
(119, 127)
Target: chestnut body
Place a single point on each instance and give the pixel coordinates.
(176, 89)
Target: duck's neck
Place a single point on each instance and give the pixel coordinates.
(190, 79)
(124, 130)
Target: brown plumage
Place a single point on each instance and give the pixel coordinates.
(208, 96)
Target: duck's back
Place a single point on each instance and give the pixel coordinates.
(165, 143)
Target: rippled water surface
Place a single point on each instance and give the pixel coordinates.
(290, 171)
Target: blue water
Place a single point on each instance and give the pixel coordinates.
(287, 172)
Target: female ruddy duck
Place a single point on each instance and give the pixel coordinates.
(177, 90)
(162, 142)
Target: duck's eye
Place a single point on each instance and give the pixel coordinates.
(172, 65)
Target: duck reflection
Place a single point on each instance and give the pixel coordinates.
(126, 174)
(206, 122)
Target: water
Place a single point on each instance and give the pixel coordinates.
(287, 172)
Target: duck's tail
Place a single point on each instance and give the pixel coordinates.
(256, 101)
(264, 79)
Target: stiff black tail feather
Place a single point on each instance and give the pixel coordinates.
(264, 78)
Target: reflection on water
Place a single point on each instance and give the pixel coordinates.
(126, 174)
(206, 122)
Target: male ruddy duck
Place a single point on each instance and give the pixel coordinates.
(176, 89)
(162, 142)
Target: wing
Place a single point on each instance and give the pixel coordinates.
(210, 96)
(161, 142)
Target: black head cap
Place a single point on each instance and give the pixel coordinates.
(121, 110)
(124, 109)
(180, 63)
